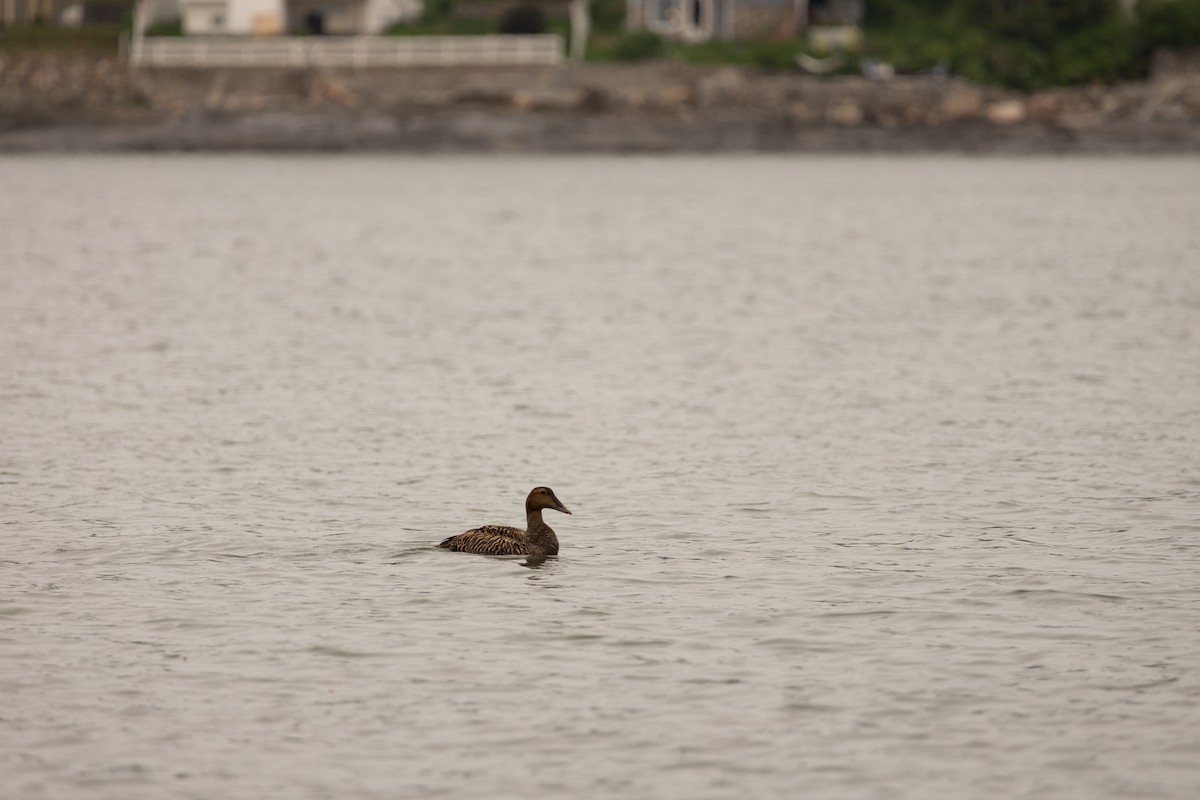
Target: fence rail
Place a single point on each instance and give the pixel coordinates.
(358, 51)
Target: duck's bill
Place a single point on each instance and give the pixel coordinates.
(560, 507)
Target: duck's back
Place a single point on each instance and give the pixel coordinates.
(492, 540)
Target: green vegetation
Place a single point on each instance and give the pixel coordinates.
(632, 46)
(771, 55)
(645, 46)
(173, 27)
(1024, 44)
(1168, 23)
(440, 19)
(525, 18)
(89, 39)
(447, 26)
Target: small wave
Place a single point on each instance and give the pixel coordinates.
(338, 652)
(881, 612)
(1134, 687)
(1061, 596)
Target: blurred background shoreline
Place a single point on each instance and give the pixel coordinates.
(601, 76)
(54, 102)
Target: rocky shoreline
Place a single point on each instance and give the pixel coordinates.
(76, 104)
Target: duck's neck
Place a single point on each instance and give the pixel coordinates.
(541, 535)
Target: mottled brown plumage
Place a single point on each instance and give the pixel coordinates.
(503, 540)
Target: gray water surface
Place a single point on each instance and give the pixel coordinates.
(884, 475)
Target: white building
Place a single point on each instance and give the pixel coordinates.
(279, 17)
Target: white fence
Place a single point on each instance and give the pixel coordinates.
(358, 51)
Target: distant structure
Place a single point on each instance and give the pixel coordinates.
(220, 17)
(702, 20)
(280, 17)
(267, 33)
(64, 13)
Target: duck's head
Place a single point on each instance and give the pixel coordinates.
(543, 497)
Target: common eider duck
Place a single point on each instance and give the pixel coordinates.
(502, 540)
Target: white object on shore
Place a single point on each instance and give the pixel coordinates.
(877, 70)
(821, 66)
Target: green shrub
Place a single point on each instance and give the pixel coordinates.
(1022, 44)
(1168, 23)
(1106, 53)
(170, 27)
(886, 14)
(444, 26)
(608, 16)
(1018, 64)
(638, 46)
(525, 18)
(437, 9)
(768, 55)
(92, 39)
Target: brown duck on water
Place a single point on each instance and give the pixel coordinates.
(502, 540)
